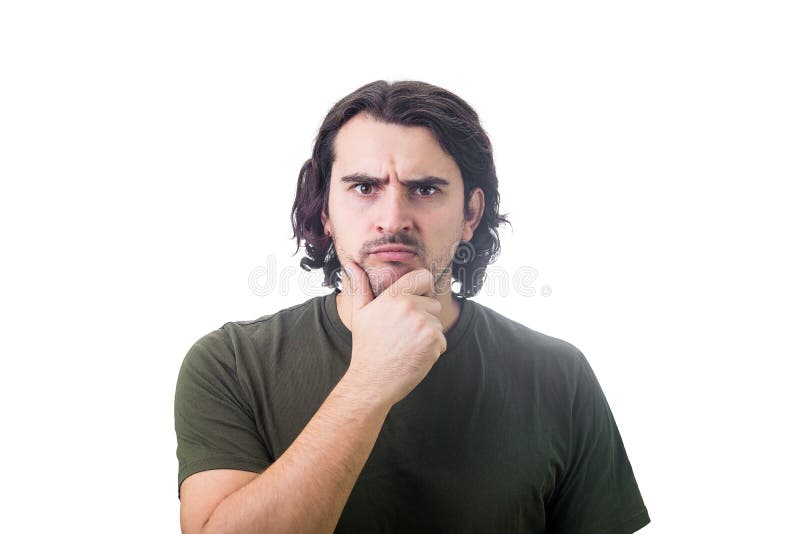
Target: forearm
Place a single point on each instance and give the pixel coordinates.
(307, 487)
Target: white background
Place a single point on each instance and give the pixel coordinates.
(647, 156)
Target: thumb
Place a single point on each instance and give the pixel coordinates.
(355, 284)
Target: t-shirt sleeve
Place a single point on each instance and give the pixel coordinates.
(214, 421)
(597, 492)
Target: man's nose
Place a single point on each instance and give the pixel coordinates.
(394, 212)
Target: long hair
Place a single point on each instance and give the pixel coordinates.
(455, 126)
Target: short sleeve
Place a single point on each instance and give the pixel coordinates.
(597, 492)
(214, 422)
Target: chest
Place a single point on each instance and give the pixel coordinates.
(471, 449)
(451, 461)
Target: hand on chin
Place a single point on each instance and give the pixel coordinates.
(384, 274)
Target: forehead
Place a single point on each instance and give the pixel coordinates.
(365, 144)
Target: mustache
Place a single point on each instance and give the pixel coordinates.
(395, 239)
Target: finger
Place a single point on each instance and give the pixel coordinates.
(417, 282)
(427, 304)
(356, 284)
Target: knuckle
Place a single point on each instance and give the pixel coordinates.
(406, 305)
(431, 333)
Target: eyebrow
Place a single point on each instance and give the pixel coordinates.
(361, 178)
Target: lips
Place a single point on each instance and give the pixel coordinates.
(394, 253)
(393, 248)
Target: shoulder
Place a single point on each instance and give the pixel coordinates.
(267, 326)
(529, 347)
(237, 340)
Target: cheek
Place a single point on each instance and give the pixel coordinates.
(448, 224)
(344, 210)
(443, 231)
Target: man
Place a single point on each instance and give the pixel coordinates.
(394, 404)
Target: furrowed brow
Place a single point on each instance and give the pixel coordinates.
(361, 178)
(426, 180)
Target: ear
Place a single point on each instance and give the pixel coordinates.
(474, 213)
(325, 223)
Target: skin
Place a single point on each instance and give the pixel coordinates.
(428, 218)
(397, 311)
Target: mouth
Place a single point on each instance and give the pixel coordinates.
(394, 253)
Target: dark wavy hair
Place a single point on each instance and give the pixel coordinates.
(456, 127)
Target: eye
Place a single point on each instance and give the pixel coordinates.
(427, 190)
(363, 188)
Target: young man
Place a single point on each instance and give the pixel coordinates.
(395, 404)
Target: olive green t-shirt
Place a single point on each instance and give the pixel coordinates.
(509, 432)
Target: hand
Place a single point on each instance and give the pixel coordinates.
(397, 337)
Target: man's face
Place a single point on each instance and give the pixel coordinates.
(393, 187)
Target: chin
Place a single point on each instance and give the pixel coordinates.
(386, 274)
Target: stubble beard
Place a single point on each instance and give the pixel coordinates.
(381, 278)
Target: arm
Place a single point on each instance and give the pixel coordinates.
(597, 491)
(306, 488)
